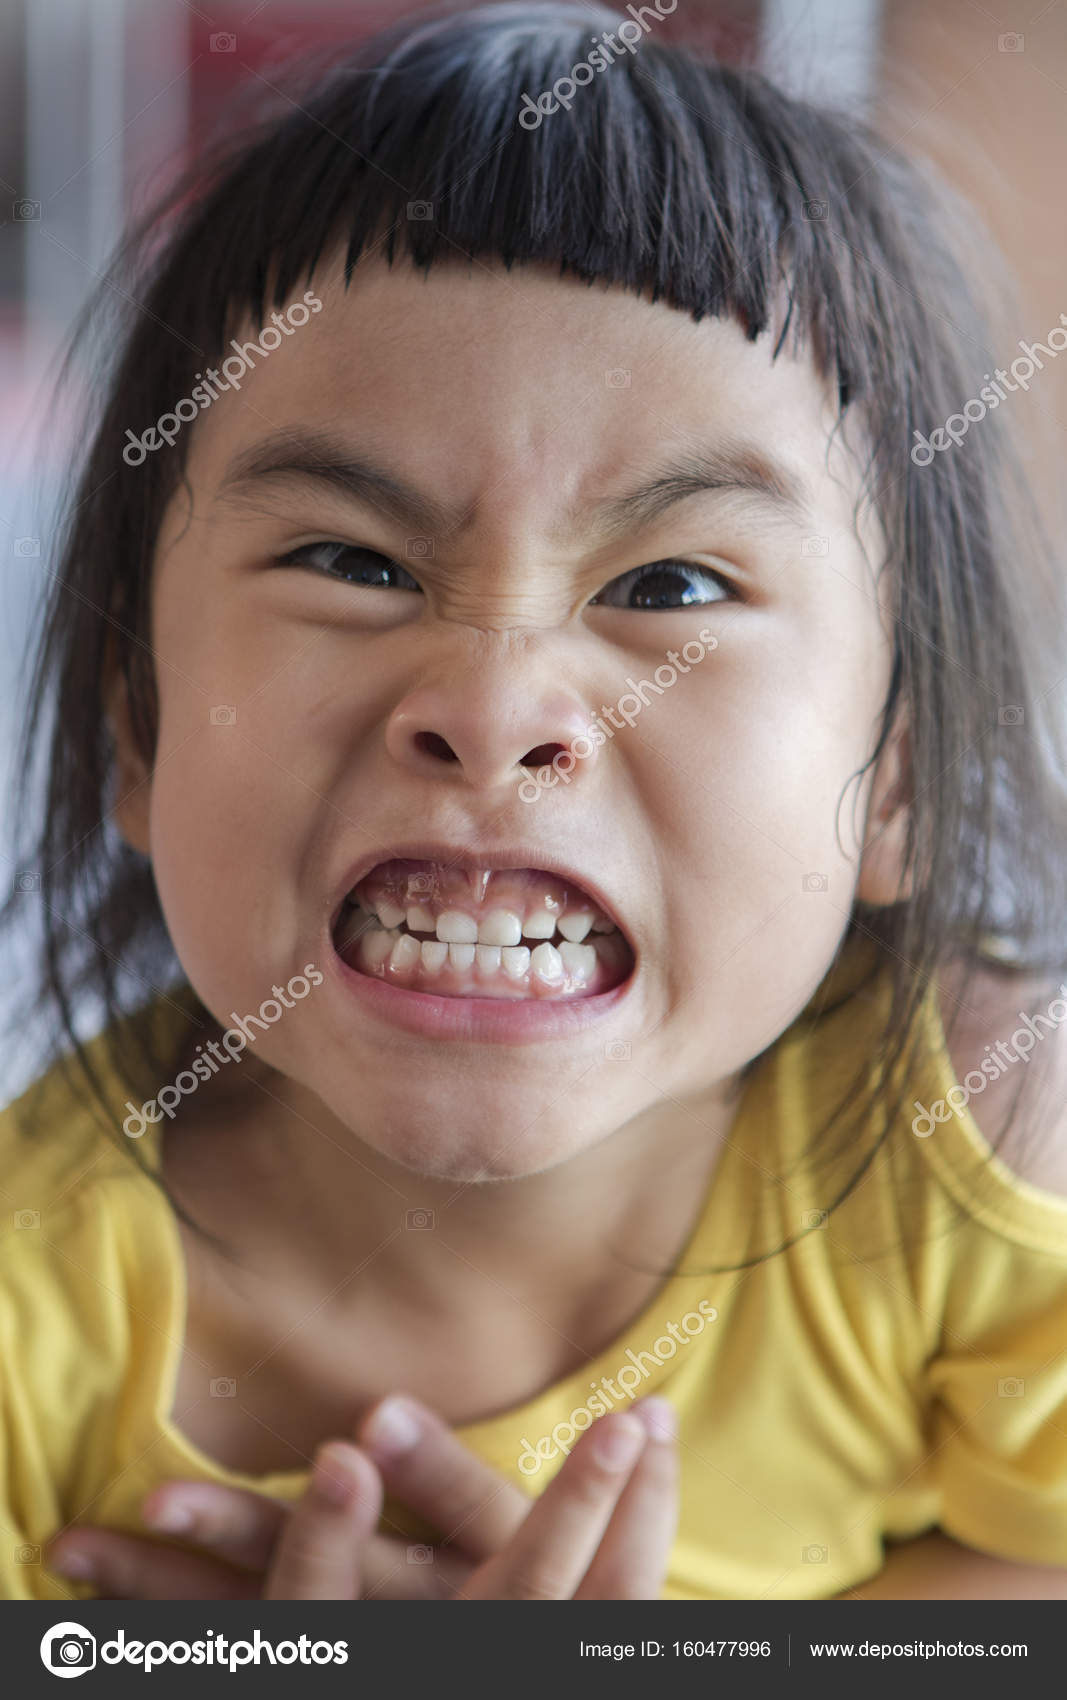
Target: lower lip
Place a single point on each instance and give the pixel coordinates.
(476, 1021)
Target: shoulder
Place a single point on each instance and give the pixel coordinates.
(90, 1301)
(1017, 1024)
(87, 1306)
(55, 1146)
(77, 1219)
(58, 1144)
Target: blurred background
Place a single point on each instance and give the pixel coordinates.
(102, 100)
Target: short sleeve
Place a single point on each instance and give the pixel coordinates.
(997, 1388)
(29, 1504)
(87, 1279)
(58, 1292)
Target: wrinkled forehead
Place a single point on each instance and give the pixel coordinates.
(524, 394)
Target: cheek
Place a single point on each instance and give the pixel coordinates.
(228, 825)
(748, 784)
(212, 864)
(269, 701)
(262, 737)
(747, 765)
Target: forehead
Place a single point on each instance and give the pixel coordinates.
(522, 386)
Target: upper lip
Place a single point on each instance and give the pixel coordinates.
(455, 856)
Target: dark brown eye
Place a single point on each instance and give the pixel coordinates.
(351, 564)
(665, 585)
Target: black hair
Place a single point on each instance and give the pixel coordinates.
(685, 181)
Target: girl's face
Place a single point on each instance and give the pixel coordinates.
(577, 489)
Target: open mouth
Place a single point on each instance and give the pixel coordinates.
(480, 933)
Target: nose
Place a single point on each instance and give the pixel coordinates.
(485, 733)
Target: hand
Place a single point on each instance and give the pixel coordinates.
(601, 1530)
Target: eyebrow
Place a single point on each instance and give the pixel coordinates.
(729, 465)
(291, 457)
(314, 458)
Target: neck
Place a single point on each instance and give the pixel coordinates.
(512, 1282)
(579, 1246)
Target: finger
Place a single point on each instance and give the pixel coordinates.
(320, 1550)
(631, 1560)
(549, 1556)
(428, 1469)
(236, 1524)
(243, 1527)
(125, 1567)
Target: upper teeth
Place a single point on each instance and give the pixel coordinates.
(454, 927)
(575, 926)
(500, 927)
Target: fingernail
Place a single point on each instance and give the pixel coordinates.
(392, 1428)
(170, 1519)
(76, 1565)
(331, 1477)
(618, 1446)
(658, 1418)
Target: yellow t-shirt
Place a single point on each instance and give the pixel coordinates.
(889, 1373)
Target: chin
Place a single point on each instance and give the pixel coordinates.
(472, 1150)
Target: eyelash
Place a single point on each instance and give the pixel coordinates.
(636, 576)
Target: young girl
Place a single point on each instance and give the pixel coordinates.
(561, 813)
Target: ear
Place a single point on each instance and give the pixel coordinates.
(883, 876)
(133, 775)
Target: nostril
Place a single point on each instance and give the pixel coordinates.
(543, 756)
(432, 744)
